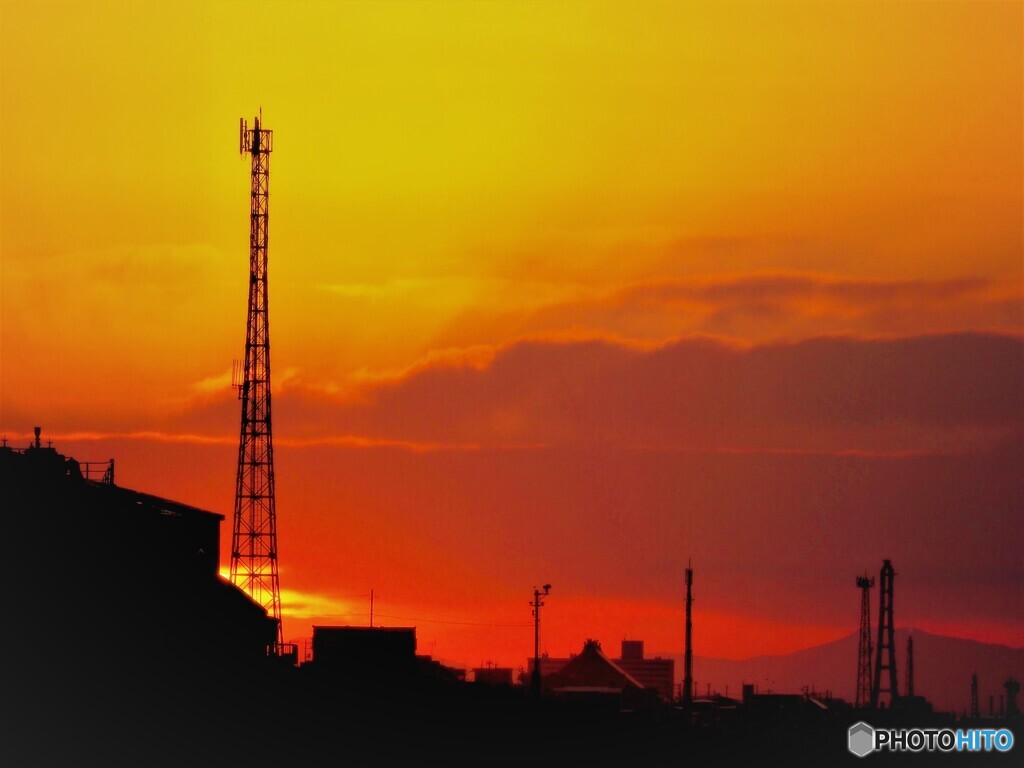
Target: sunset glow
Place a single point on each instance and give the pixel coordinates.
(567, 292)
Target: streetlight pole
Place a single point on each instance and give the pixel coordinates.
(537, 603)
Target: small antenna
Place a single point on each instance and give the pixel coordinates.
(237, 376)
(243, 131)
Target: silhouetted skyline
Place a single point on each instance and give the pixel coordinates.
(564, 293)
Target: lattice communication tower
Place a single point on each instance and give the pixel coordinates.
(254, 560)
(864, 646)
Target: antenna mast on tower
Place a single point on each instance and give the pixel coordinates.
(254, 534)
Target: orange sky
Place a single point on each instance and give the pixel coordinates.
(559, 292)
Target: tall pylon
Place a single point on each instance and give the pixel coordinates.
(885, 660)
(688, 657)
(254, 556)
(864, 647)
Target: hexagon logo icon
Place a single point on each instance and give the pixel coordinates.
(861, 739)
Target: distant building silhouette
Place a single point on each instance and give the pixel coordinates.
(593, 678)
(370, 656)
(656, 674)
(492, 675)
(1012, 689)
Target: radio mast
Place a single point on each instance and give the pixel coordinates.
(254, 534)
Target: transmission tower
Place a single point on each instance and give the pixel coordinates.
(254, 534)
(864, 648)
(885, 660)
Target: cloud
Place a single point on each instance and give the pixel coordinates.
(936, 393)
(945, 393)
(759, 307)
(775, 537)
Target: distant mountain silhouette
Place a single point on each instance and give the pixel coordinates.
(942, 670)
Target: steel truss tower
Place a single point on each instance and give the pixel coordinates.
(254, 534)
(864, 648)
(886, 658)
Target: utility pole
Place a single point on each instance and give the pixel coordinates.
(537, 603)
(688, 658)
(908, 684)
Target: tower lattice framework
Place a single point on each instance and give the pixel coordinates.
(254, 555)
(864, 647)
(885, 660)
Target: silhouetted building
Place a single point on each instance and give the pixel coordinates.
(375, 655)
(784, 709)
(372, 651)
(1012, 689)
(912, 705)
(656, 674)
(493, 675)
(591, 677)
(116, 586)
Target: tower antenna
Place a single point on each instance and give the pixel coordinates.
(254, 561)
(864, 647)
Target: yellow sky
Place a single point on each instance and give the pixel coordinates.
(436, 163)
(449, 177)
